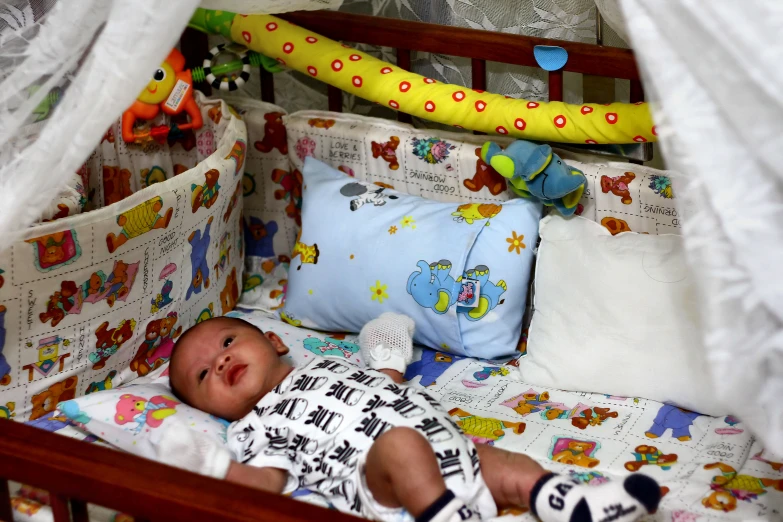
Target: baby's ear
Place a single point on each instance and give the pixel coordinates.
(277, 343)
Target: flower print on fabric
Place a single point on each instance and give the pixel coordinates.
(431, 150)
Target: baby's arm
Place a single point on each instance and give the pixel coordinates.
(267, 479)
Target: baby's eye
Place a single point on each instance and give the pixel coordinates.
(228, 342)
(202, 375)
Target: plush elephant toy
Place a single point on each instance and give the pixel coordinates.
(535, 171)
(489, 293)
(432, 286)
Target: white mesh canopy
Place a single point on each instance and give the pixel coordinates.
(91, 58)
(714, 71)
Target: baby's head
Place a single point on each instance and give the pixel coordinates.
(224, 366)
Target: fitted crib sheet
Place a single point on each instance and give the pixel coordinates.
(590, 436)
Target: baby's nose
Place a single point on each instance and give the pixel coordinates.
(222, 363)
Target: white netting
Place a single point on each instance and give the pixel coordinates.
(67, 70)
(713, 71)
(387, 342)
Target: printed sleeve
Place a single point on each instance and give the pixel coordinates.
(262, 446)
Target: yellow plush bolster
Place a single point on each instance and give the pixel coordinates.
(375, 80)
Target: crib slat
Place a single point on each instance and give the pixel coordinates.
(79, 511)
(637, 91)
(556, 85)
(637, 95)
(335, 98)
(194, 45)
(5, 501)
(60, 510)
(478, 78)
(267, 86)
(404, 62)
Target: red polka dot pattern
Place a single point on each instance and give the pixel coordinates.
(514, 117)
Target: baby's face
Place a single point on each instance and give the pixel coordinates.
(224, 366)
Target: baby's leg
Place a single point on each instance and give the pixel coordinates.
(401, 471)
(517, 480)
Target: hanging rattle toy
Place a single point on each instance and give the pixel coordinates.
(171, 90)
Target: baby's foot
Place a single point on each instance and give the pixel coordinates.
(556, 498)
(387, 342)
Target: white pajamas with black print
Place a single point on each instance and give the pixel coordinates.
(320, 422)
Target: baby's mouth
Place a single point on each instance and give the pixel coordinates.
(235, 373)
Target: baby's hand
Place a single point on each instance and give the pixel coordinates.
(267, 479)
(188, 449)
(387, 343)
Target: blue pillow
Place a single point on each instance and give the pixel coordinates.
(459, 270)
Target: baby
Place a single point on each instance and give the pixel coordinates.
(372, 446)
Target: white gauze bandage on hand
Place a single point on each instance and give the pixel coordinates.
(387, 342)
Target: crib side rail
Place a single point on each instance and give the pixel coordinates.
(75, 473)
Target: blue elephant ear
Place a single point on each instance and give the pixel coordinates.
(550, 57)
(538, 160)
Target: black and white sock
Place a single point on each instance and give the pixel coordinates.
(447, 508)
(556, 498)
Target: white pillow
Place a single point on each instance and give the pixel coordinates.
(616, 315)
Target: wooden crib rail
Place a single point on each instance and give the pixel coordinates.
(75, 473)
(597, 60)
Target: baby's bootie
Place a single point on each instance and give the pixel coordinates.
(387, 342)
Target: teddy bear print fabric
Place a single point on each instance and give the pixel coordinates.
(272, 195)
(448, 167)
(93, 300)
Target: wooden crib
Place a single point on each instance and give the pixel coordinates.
(76, 473)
